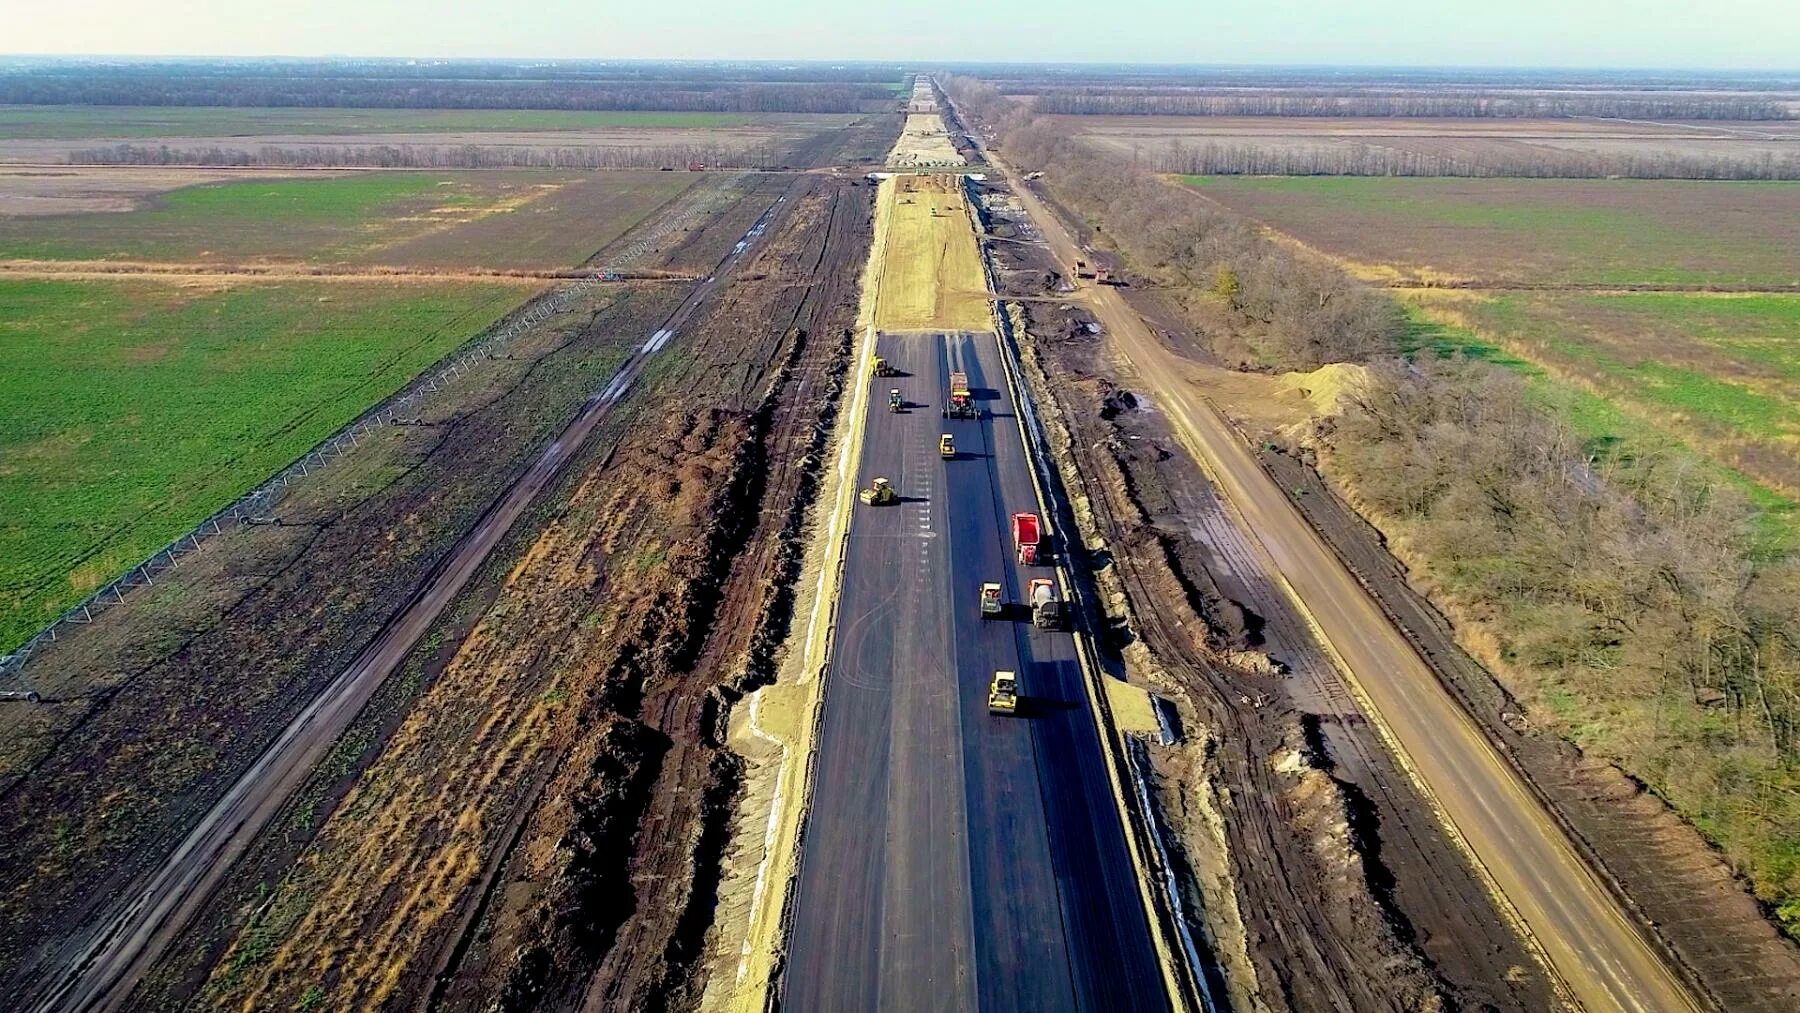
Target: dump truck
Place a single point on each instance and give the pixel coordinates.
(881, 367)
(1103, 276)
(1081, 269)
(1003, 693)
(993, 601)
(1046, 608)
(960, 404)
(946, 447)
(895, 401)
(1025, 537)
(879, 493)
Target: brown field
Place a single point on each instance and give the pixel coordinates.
(1148, 137)
(930, 271)
(42, 190)
(1492, 231)
(760, 129)
(491, 218)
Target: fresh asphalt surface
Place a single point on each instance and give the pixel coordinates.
(953, 859)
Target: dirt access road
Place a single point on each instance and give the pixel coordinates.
(100, 970)
(1601, 956)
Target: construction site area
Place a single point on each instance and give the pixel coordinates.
(834, 589)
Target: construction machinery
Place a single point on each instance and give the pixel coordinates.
(960, 404)
(1104, 276)
(1003, 693)
(1046, 608)
(879, 493)
(1025, 537)
(881, 367)
(993, 601)
(895, 401)
(1081, 269)
(946, 447)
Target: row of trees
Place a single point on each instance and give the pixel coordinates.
(1637, 589)
(407, 93)
(411, 156)
(1421, 104)
(1349, 158)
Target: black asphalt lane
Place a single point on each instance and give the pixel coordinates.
(954, 859)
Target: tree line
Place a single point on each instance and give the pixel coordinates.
(409, 156)
(1351, 158)
(408, 93)
(1426, 105)
(1640, 590)
(1637, 589)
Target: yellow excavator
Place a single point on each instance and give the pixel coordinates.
(879, 493)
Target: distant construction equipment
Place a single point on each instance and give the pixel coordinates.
(993, 602)
(1025, 537)
(960, 404)
(895, 401)
(1003, 693)
(946, 447)
(879, 493)
(881, 367)
(1046, 608)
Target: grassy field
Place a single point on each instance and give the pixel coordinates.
(494, 218)
(1625, 403)
(135, 409)
(930, 268)
(1717, 373)
(1533, 231)
(72, 122)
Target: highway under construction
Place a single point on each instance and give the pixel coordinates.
(843, 644)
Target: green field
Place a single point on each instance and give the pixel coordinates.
(494, 218)
(1535, 231)
(75, 122)
(134, 409)
(1632, 406)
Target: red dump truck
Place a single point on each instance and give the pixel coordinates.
(1025, 537)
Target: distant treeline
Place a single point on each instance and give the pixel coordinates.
(406, 156)
(1424, 105)
(1355, 159)
(438, 93)
(666, 72)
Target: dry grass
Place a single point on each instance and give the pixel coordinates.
(930, 275)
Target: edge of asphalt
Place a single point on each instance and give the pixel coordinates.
(769, 926)
(1112, 739)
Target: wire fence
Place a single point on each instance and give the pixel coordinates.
(402, 408)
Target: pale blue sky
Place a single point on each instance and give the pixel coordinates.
(1761, 34)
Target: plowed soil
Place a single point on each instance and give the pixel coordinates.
(541, 829)
(153, 713)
